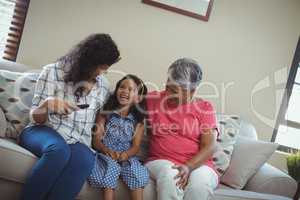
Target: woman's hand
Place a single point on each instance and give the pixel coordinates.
(60, 106)
(123, 156)
(40, 114)
(183, 175)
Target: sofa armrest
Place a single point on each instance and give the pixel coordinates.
(3, 124)
(271, 180)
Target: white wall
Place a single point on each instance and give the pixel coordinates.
(243, 42)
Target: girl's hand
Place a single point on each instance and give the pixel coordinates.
(114, 155)
(183, 175)
(123, 156)
(60, 106)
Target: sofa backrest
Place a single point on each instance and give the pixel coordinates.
(13, 66)
(248, 130)
(235, 124)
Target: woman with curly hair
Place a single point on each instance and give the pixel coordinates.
(67, 98)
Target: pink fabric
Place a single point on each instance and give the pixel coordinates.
(176, 130)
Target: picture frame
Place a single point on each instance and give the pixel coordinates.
(199, 9)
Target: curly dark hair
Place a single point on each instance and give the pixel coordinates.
(83, 60)
(138, 110)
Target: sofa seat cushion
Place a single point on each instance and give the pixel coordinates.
(88, 192)
(271, 180)
(235, 194)
(15, 161)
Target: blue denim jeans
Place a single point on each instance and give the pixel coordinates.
(61, 169)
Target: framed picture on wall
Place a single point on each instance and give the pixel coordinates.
(199, 9)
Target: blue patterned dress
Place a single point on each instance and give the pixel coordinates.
(118, 137)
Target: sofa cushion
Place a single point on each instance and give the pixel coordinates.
(88, 192)
(248, 130)
(15, 99)
(10, 190)
(248, 156)
(14, 66)
(15, 161)
(271, 180)
(229, 127)
(233, 194)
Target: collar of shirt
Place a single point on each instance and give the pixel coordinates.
(129, 116)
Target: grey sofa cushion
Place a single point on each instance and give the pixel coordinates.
(15, 161)
(247, 130)
(232, 194)
(10, 190)
(271, 180)
(13, 66)
(248, 156)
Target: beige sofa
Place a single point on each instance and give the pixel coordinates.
(268, 183)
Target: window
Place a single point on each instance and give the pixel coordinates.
(12, 19)
(287, 129)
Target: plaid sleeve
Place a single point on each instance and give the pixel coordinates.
(45, 86)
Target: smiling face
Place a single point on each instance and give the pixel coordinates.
(127, 93)
(178, 95)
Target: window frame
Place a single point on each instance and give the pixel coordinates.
(285, 101)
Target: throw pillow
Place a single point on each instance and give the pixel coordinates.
(229, 127)
(16, 92)
(248, 156)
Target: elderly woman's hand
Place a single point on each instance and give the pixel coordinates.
(183, 175)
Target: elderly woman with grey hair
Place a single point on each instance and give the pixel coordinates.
(182, 137)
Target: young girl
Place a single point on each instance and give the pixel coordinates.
(117, 139)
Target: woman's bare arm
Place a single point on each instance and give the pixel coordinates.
(207, 146)
(99, 134)
(39, 114)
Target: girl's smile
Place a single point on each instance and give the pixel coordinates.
(127, 92)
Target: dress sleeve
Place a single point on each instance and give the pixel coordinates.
(45, 87)
(207, 116)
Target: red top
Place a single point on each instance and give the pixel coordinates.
(177, 130)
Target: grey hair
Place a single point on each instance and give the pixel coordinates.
(186, 72)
